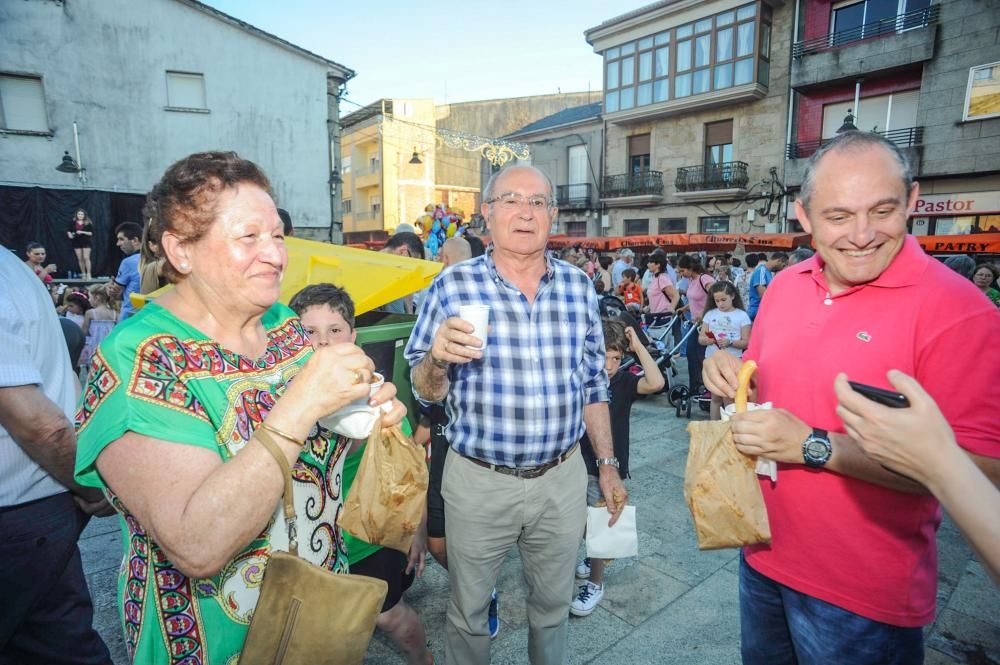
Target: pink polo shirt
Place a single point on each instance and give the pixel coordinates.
(862, 547)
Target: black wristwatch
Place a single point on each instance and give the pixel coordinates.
(816, 449)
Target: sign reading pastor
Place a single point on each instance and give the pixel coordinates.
(968, 203)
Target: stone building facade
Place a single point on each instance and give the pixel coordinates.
(925, 74)
(141, 98)
(695, 114)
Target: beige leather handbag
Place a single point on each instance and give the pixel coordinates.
(307, 614)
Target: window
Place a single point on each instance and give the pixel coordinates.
(672, 225)
(713, 224)
(375, 204)
(881, 113)
(764, 52)
(576, 229)
(636, 227)
(982, 97)
(345, 164)
(578, 173)
(718, 143)
(346, 206)
(373, 164)
(860, 19)
(947, 226)
(22, 104)
(637, 73)
(638, 153)
(712, 53)
(186, 91)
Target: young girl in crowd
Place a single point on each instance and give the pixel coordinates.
(76, 305)
(97, 322)
(725, 326)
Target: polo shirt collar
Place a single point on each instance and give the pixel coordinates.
(906, 268)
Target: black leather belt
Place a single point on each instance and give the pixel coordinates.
(524, 471)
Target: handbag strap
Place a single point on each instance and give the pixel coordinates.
(286, 497)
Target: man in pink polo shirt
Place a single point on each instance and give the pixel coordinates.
(850, 575)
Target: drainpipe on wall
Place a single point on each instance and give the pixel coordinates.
(334, 89)
(791, 107)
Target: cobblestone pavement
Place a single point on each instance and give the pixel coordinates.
(672, 604)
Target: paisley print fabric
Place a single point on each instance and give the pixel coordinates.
(157, 376)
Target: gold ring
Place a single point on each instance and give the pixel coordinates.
(357, 376)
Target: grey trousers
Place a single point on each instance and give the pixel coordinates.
(485, 514)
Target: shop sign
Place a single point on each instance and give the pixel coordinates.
(966, 203)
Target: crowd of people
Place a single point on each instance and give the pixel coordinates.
(527, 423)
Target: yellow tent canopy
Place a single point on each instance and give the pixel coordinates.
(371, 278)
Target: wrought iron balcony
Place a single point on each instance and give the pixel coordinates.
(640, 183)
(917, 18)
(903, 138)
(726, 175)
(574, 196)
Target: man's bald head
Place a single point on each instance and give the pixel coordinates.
(455, 250)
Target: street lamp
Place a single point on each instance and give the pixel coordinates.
(68, 164)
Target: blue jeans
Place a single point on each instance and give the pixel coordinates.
(780, 626)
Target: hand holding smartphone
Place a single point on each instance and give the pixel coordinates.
(885, 397)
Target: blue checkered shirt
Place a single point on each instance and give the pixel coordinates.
(522, 404)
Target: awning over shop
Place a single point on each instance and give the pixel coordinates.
(972, 243)
(689, 241)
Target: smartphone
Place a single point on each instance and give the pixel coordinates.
(886, 397)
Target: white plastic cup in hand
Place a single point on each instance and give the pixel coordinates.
(356, 420)
(479, 317)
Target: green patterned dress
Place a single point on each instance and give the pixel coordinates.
(157, 376)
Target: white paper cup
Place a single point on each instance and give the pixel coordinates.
(479, 317)
(356, 420)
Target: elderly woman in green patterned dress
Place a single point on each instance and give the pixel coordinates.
(168, 418)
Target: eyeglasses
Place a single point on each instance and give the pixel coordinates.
(512, 201)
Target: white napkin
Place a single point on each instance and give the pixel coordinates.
(617, 542)
(765, 467)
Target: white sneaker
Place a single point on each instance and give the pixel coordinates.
(583, 569)
(587, 600)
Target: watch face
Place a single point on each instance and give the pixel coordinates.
(815, 448)
(816, 451)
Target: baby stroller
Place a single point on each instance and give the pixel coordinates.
(682, 398)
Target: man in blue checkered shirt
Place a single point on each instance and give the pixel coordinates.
(517, 408)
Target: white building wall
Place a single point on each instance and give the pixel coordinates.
(103, 64)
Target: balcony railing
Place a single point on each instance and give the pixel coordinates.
(903, 138)
(727, 175)
(917, 18)
(573, 196)
(640, 183)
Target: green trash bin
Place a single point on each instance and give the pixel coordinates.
(383, 337)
